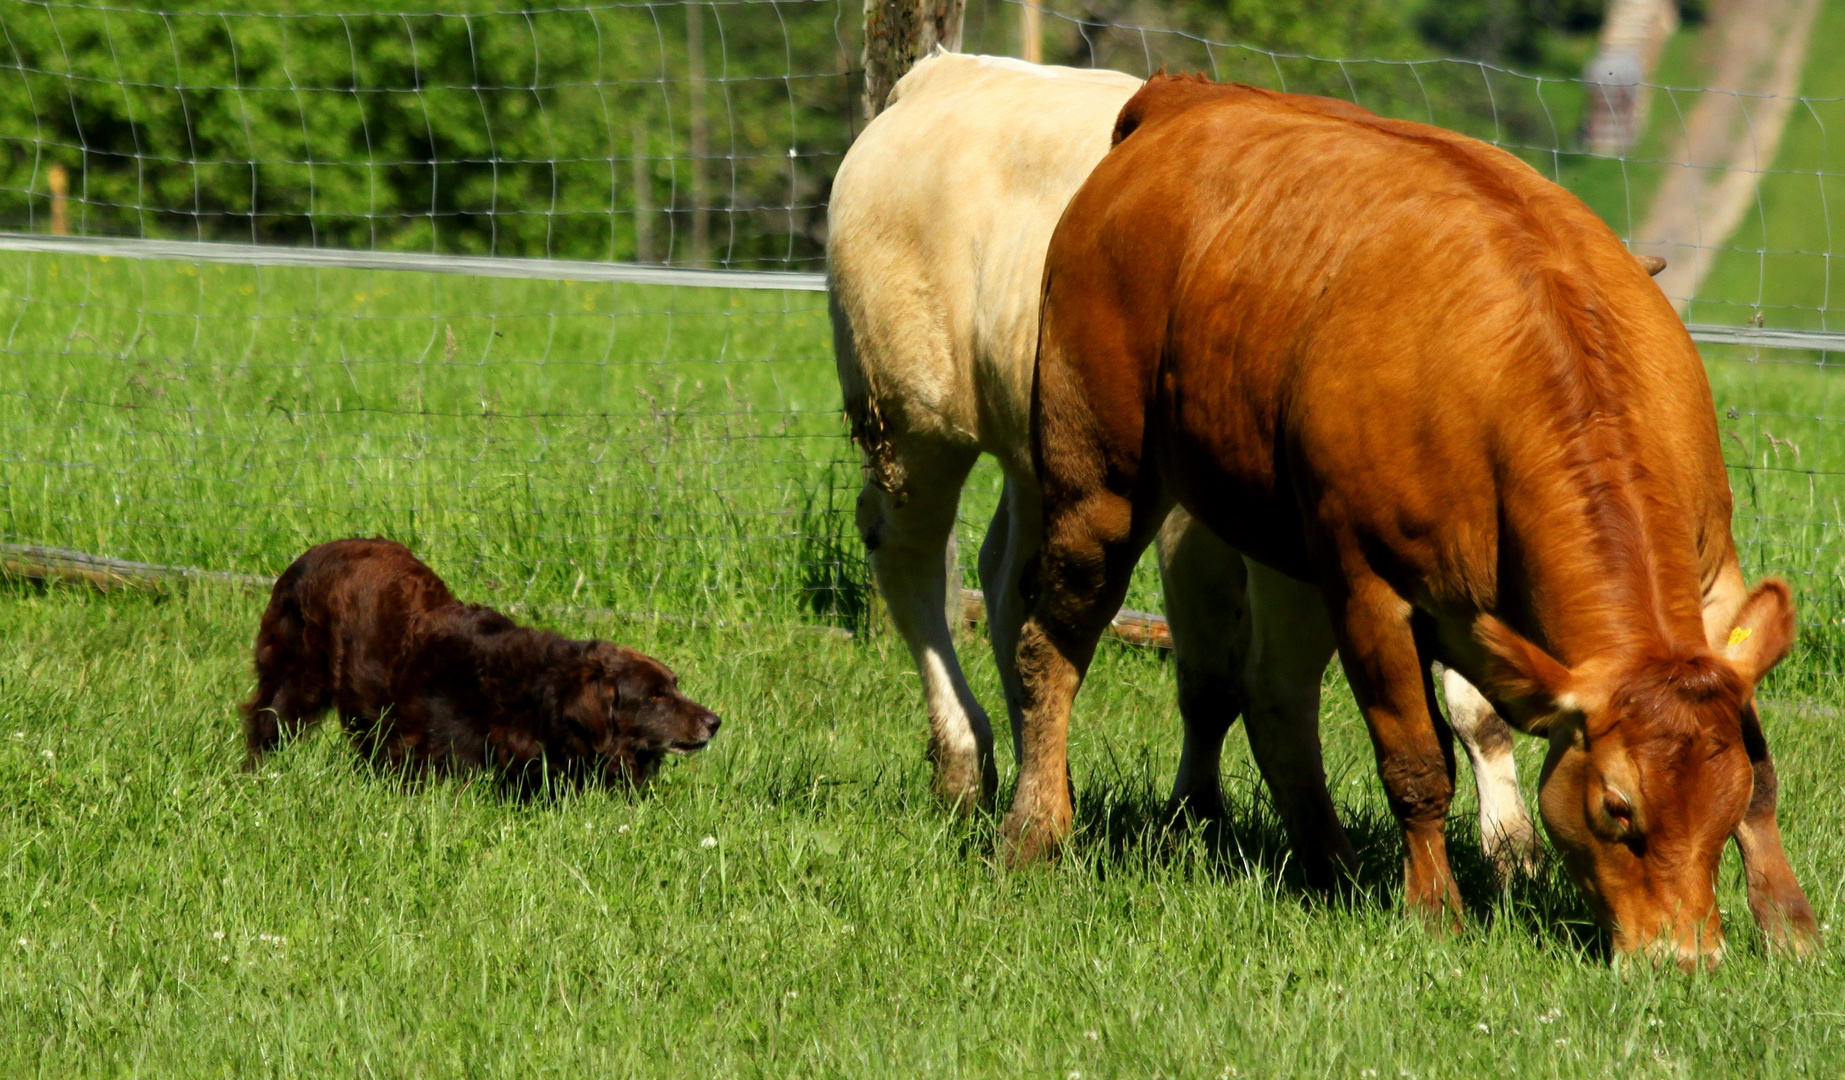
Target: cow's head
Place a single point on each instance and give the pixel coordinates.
(1648, 772)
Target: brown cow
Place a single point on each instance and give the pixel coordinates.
(1400, 365)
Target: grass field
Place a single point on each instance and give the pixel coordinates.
(165, 915)
(609, 455)
(1782, 260)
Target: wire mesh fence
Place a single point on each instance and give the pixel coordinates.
(667, 448)
(697, 133)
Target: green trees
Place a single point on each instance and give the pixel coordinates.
(688, 132)
(516, 133)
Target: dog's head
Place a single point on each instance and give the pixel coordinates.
(626, 709)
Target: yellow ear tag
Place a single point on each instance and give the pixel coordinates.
(1739, 635)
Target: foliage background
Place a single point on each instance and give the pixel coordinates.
(456, 127)
(466, 126)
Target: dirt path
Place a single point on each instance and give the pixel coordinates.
(1730, 137)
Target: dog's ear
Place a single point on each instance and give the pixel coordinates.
(578, 697)
(636, 680)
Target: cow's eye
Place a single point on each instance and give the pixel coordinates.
(1619, 810)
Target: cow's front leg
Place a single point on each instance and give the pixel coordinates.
(1389, 675)
(1506, 834)
(1776, 899)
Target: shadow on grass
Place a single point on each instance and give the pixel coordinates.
(1121, 826)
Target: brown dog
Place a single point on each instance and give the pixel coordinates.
(423, 681)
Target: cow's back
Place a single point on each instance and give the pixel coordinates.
(1382, 323)
(939, 218)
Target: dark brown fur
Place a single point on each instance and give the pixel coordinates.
(422, 681)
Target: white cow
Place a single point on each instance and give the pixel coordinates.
(940, 217)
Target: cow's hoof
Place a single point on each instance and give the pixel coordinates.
(1795, 932)
(1441, 920)
(1027, 841)
(1515, 852)
(1200, 807)
(964, 783)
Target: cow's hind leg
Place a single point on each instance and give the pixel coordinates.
(1291, 642)
(1203, 581)
(1091, 544)
(1506, 834)
(907, 535)
(1011, 544)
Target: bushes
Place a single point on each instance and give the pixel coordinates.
(514, 133)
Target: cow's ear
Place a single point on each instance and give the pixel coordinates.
(1764, 630)
(1526, 684)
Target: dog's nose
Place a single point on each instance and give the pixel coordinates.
(712, 722)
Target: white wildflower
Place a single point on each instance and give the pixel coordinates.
(708, 842)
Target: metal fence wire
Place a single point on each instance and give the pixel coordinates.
(536, 290)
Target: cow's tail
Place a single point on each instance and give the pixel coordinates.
(864, 418)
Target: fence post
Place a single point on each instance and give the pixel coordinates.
(701, 135)
(900, 32)
(60, 188)
(643, 199)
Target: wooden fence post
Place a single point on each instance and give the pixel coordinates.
(60, 189)
(900, 32)
(701, 133)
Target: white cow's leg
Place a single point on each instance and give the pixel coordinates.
(1290, 642)
(1204, 584)
(1506, 834)
(908, 541)
(1011, 541)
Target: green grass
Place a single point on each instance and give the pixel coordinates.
(1783, 260)
(165, 915)
(610, 454)
(645, 449)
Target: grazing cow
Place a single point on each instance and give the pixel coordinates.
(423, 681)
(938, 223)
(1447, 417)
